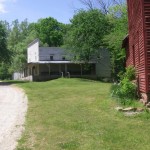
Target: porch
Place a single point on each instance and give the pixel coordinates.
(48, 71)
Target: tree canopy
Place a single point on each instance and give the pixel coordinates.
(50, 31)
(84, 37)
(4, 52)
(118, 17)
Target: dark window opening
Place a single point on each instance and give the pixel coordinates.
(51, 57)
(63, 58)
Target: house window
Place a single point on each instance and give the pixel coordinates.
(51, 57)
(63, 58)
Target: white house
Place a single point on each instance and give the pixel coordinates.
(45, 63)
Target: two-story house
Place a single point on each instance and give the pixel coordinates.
(45, 63)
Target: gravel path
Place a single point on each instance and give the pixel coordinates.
(13, 107)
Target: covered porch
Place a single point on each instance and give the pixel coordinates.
(52, 70)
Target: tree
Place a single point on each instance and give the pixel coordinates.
(50, 31)
(85, 34)
(118, 17)
(21, 34)
(102, 5)
(4, 52)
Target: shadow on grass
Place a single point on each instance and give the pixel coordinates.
(10, 82)
(92, 80)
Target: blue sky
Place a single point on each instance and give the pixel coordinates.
(62, 10)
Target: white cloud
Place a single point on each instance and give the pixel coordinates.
(3, 4)
(2, 8)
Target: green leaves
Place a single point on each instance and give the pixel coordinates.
(126, 89)
(50, 31)
(86, 32)
(118, 18)
(4, 52)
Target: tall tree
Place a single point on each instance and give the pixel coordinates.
(4, 52)
(86, 32)
(50, 31)
(118, 17)
(102, 5)
(20, 36)
(14, 36)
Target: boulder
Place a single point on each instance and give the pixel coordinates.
(148, 105)
(129, 109)
(119, 108)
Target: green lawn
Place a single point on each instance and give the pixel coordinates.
(76, 114)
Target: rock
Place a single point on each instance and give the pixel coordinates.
(148, 105)
(139, 109)
(147, 109)
(131, 113)
(119, 108)
(106, 80)
(129, 109)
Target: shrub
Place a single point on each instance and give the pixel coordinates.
(126, 89)
(129, 73)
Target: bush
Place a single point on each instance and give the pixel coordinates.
(126, 89)
(130, 73)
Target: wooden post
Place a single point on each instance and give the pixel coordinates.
(66, 68)
(38, 69)
(81, 69)
(49, 66)
(59, 68)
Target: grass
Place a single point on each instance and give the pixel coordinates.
(77, 114)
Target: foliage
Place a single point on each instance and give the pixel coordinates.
(129, 73)
(4, 52)
(4, 71)
(126, 89)
(17, 43)
(85, 34)
(118, 17)
(50, 31)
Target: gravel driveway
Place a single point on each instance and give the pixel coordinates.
(13, 107)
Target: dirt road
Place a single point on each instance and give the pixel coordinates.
(13, 107)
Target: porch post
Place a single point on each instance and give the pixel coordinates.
(31, 71)
(66, 68)
(23, 73)
(38, 69)
(81, 69)
(28, 71)
(59, 68)
(49, 66)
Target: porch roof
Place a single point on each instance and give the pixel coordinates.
(59, 62)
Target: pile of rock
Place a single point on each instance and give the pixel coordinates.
(130, 111)
(148, 105)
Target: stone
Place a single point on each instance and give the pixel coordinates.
(139, 109)
(119, 108)
(143, 102)
(129, 109)
(106, 80)
(148, 105)
(131, 113)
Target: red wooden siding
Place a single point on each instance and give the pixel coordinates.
(147, 40)
(136, 55)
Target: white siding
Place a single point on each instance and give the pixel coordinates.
(103, 67)
(33, 51)
(46, 52)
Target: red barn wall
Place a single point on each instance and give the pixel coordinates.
(136, 54)
(146, 16)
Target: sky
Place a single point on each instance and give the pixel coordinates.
(62, 10)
